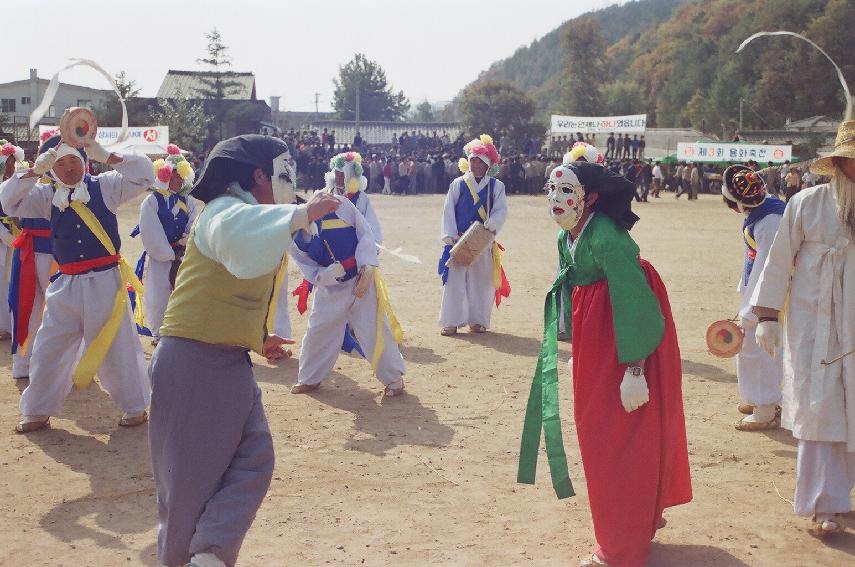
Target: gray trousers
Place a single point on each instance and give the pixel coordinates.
(211, 449)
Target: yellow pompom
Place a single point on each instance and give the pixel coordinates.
(357, 157)
(22, 165)
(185, 170)
(463, 165)
(577, 152)
(353, 185)
(486, 139)
(158, 164)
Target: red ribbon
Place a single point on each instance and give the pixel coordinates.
(27, 280)
(77, 268)
(301, 292)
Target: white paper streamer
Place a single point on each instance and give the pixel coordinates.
(841, 78)
(397, 253)
(53, 87)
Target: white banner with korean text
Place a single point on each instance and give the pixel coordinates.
(598, 124)
(761, 153)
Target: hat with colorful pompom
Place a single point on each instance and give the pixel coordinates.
(349, 163)
(482, 148)
(583, 151)
(174, 161)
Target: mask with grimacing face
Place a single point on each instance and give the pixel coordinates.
(284, 179)
(566, 197)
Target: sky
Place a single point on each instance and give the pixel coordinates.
(430, 50)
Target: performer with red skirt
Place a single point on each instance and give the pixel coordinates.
(628, 404)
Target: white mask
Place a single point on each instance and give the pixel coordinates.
(566, 197)
(284, 179)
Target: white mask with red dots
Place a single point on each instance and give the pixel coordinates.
(566, 197)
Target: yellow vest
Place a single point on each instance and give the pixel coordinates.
(211, 305)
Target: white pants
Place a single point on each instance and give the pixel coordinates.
(5, 266)
(21, 360)
(758, 374)
(76, 309)
(825, 475)
(387, 186)
(468, 295)
(282, 319)
(157, 292)
(333, 307)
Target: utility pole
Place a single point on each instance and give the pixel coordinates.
(357, 103)
(316, 103)
(741, 100)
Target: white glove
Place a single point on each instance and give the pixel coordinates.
(45, 162)
(449, 241)
(633, 391)
(96, 152)
(490, 226)
(768, 336)
(364, 281)
(330, 274)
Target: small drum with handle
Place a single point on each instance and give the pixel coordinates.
(78, 127)
(724, 339)
(474, 241)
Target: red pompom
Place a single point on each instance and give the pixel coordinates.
(558, 174)
(7, 150)
(48, 134)
(172, 149)
(164, 173)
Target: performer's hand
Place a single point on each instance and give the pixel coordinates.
(273, 349)
(363, 282)
(633, 391)
(331, 274)
(489, 226)
(321, 204)
(45, 162)
(449, 241)
(96, 152)
(768, 336)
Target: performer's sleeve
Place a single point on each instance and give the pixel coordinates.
(499, 212)
(774, 280)
(193, 212)
(249, 240)
(764, 235)
(151, 232)
(638, 321)
(22, 197)
(373, 221)
(449, 220)
(129, 178)
(309, 267)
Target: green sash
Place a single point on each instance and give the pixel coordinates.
(542, 408)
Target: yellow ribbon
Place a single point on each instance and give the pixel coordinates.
(475, 198)
(332, 224)
(97, 350)
(274, 299)
(497, 266)
(181, 204)
(384, 310)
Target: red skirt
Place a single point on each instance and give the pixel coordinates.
(636, 464)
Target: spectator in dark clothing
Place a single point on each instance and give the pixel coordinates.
(610, 146)
(641, 145)
(357, 142)
(517, 176)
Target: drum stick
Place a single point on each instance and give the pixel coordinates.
(833, 360)
(332, 256)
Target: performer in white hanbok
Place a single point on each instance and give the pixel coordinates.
(340, 261)
(88, 302)
(810, 277)
(758, 374)
(29, 276)
(346, 177)
(166, 216)
(10, 155)
(469, 291)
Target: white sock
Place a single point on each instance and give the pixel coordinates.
(207, 560)
(762, 414)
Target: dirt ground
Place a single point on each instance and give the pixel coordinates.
(429, 479)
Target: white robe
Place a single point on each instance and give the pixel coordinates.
(160, 255)
(818, 401)
(758, 374)
(5, 266)
(468, 295)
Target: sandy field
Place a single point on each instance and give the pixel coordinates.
(429, 479)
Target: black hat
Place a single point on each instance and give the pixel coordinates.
(615, 191)
(250, 149)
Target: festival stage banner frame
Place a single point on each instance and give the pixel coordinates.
(137, 135)
(712, 152)
(632, 123)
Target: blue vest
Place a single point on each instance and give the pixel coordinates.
(342, 241)
(173, 225)
(72, 241)
(41, 244)
(465, 211)
(771, 206)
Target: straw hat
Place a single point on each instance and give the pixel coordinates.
(844, 146)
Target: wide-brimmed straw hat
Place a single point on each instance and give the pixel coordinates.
(844, 146)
